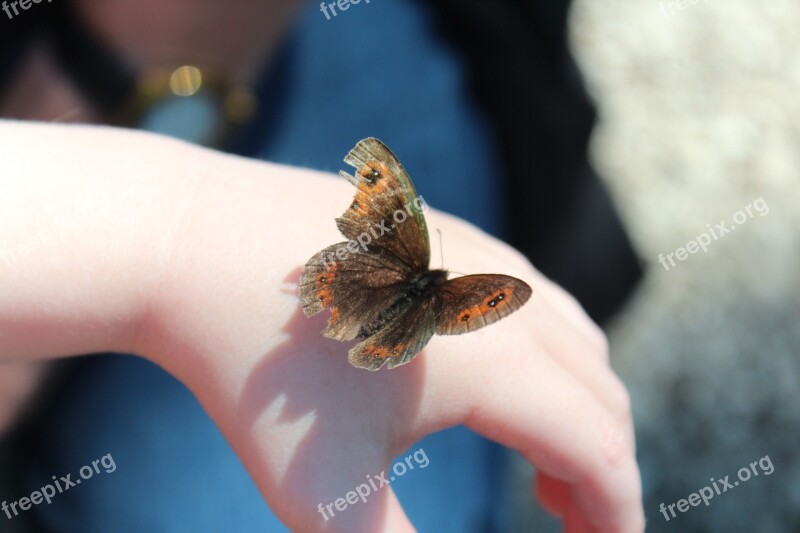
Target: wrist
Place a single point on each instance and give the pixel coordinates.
(85, 228)
(234, 243)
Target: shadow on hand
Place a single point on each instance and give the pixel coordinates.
(350, 421)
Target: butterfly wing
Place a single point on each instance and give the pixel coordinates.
(400, 340)
(388, 246)
(355, 288)
(386, 209)
(365, 282)
(468, 303)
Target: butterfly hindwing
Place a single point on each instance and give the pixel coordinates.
(350, 287)
(386, 210)
(399, 341)
(468, 303)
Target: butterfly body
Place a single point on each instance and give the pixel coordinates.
(422, 287)
(377, 285)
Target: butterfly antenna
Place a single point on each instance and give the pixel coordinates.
(441, 252)
(441, 246)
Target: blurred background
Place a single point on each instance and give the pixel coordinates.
(697, 119)
(699, 116)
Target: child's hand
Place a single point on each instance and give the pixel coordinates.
(191, 259)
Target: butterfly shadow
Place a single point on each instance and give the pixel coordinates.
(343, 417)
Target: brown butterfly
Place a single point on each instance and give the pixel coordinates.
(378, 285)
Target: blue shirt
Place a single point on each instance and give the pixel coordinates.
(378, 69)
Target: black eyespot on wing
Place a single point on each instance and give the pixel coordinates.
(384, 189)
(372, 176)
(472, 302)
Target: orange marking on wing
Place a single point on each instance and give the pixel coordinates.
(377, 185)
(335, 316)
(358, 207)
(323, 285)
(380, 166)
(385, 351)
(362, 198)
(369, 187)
(376, 351)
(324, 296)
(497, 300)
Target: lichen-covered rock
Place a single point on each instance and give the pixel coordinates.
(700, 117)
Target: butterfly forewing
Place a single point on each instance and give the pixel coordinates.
(386, 211)
(468, 303)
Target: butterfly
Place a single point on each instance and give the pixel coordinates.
(377, 285)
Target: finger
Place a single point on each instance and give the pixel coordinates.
(572, 312)
(559, 426)
(576, 354)
(575, 522)
(489, 251)
(553, 494)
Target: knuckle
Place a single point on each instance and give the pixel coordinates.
(615, 447)
(620, 401)
(601, 340)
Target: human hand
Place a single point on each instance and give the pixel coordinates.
(310, 427)
(191, 259)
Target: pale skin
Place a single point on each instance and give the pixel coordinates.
(131, 242)
(121, 241)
